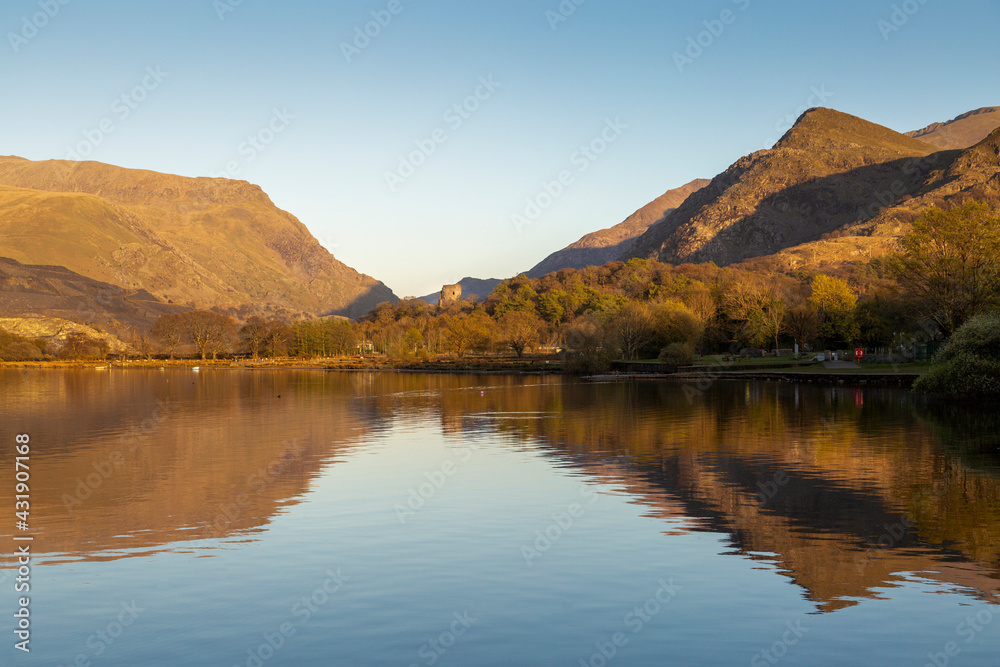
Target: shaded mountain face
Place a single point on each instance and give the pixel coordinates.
(198, 241)
(830, 172)
(947, 178)
(58, 294)
(607, 245)
(962, 132)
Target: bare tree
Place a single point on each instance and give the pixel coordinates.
(802, 322)
(210, 332)
(633, 328)
(519, 330)
(169, 331)
(253, 334)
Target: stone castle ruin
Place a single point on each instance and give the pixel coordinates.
(450, 294)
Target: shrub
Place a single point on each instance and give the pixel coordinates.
(20, 351)
(79, 346)
(677, 354)
(969, 363)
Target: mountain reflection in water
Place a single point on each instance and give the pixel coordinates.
(846, 491)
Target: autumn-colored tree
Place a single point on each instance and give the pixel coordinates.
(413, 339)
(632, 328)
(674, 322)
(585, 345)
(467, 332)
(756, 310)
(342, 337)
(18, 348)
(517, 294)
(949, 264)
(519, 330)
(835, 301)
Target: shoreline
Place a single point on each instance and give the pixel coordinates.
(500, 367)
(856, 378)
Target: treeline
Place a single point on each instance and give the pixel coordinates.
(944, 274)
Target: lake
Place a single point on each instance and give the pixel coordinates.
(286, 517)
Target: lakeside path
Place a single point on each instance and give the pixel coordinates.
(830, 372)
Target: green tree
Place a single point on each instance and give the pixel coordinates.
(948, 264)
(551, 306)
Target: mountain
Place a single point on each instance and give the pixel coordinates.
(962, 132)
(829, 172)
(606, 245)
(203, 242)
(946, 178)
(476, 289)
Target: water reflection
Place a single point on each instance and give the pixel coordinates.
(128, 463)
(845, 491)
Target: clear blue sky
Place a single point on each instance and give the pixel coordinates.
(226, 66)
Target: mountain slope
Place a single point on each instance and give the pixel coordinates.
(202, 241)
(950, 178)
(50, 302)
(606, 245)
(828, 172)
(962, 132)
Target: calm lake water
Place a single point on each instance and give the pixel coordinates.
(239, 518)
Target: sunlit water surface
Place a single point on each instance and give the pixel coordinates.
(239, 518)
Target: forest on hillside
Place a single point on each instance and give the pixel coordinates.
(943, 275)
